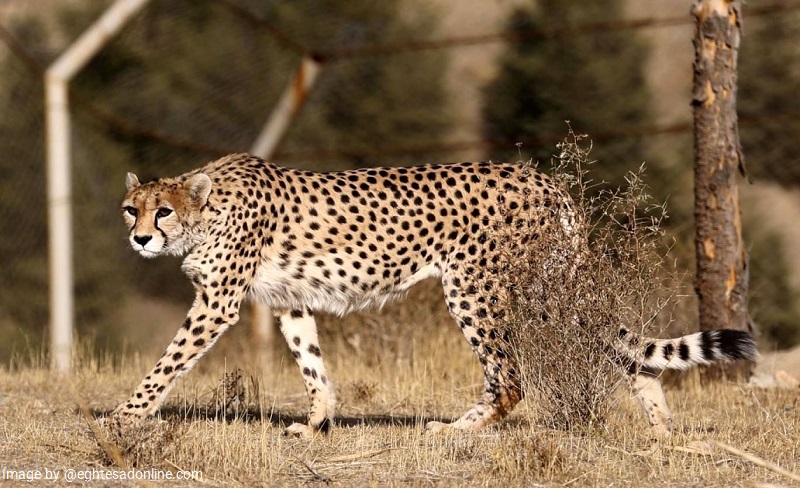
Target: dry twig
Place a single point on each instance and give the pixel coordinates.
(359, 455)
(317, 476)
(111, 450)
(758, 461)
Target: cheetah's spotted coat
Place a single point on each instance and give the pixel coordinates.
(302, 242)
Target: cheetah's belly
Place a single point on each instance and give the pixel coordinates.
(279, 289)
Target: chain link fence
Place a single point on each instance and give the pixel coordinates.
(402, 82)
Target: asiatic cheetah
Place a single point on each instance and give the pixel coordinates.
(302, 242)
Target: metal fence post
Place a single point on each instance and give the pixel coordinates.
(59, 192)
(262, 325)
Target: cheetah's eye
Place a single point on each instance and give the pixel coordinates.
(131, 211)
(163, 212)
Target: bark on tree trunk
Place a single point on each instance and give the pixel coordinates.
(722, 274)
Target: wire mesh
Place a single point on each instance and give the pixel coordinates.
(403, 82)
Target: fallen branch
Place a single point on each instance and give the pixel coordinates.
(317, 476)
(758, 461)
(359, 455)
(70, 448)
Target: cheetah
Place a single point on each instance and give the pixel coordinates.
(303, 242)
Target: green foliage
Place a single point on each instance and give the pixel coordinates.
(183, 83)
(769, 80)
(595, 81)
(366, 103)
(773, 300)
(22, 205)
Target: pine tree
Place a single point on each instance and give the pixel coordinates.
(595, 80)
(182, 84)
(366, 104)
(769, 80)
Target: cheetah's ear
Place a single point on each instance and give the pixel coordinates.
(131, 181)
(199, 187)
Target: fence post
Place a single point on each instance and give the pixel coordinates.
(59, 191)
(292, 99)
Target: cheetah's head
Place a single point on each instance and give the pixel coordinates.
(165, 216)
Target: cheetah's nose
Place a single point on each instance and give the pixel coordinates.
(142, 240)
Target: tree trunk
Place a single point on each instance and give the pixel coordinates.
(722, 274)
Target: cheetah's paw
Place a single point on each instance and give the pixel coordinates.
(434, 427)
(116, 422)
(301, 431)
(662, 431)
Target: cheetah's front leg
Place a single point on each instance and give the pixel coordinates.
(204, 324)
(300, 331)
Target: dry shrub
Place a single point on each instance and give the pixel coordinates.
(139, 444)
(360, 391)
(572, 290)
(149, 442)
(230, 396)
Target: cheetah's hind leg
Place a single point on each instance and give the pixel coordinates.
(479, 320)
(646, 387)
(300, 331)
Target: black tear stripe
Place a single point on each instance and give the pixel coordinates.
(163, 234)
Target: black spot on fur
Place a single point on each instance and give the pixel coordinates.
(708, 343)
(683, 351)
(324, 426)
(736, 344)
(650, 350)
(668, 350)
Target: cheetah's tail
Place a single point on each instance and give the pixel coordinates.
(689, 350)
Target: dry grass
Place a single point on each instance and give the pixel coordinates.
(379, 438)
(394, 371)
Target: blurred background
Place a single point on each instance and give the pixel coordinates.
(401, 82)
